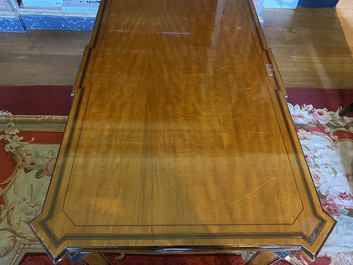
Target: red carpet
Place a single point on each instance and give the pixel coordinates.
(331, 99)
(46, 100)
(36, 100)
(33, 259)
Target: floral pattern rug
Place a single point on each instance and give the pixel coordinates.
(327, 142)
(29, 146)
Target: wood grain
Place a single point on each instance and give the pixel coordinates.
(313, 47)
(41, 57)
(179, 136)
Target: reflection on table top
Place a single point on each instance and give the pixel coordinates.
(179, 136)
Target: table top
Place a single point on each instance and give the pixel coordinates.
(179, 138)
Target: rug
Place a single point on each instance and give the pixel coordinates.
(32, 120)
(327, 142)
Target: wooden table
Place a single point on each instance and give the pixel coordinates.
(180, 140)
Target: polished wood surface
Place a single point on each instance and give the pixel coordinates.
(41, 57)
(312, 46)
(180, 139)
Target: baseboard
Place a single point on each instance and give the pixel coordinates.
(24, 19)
(316, 3)
(10, 22)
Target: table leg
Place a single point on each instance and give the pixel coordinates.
(263, 258)
(95, 259)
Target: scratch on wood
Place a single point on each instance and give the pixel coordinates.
(253, 191)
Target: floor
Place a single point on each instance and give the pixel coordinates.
(312, 47)
(41, 57)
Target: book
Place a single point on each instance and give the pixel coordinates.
(80, 6)
(42, 3)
